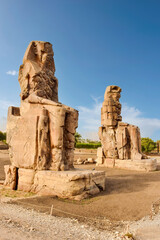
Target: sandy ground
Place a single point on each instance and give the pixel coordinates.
(18, 223)
(128, 197)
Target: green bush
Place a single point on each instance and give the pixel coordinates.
(147, 144)
(2, 136)
(88, 145)
(78, 137)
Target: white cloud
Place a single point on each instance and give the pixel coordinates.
(13, 72)
(90, 120)
(148, 126)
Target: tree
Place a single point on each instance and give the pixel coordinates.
(2, 136)
(147, 144)
(78, 137)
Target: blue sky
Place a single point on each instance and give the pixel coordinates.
(96, 43)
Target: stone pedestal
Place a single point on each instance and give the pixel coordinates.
(147, 165)
(76, 184)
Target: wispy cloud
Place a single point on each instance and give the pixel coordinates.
(148, 126)
(12, 72)
(90, 120)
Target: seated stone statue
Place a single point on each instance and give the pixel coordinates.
(41, 132)
(119, 140)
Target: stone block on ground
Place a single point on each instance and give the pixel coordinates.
(10, 176)
(76, 184)
(25, 179)
(90, 160)
(100, 157)
(145, 165)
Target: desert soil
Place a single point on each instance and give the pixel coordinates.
(128, 197)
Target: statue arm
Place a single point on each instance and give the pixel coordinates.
(33, 98)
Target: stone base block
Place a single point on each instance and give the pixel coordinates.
(147, 165)
(25, 179)
(10, 176)
(75, 184)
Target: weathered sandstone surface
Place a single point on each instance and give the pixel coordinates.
(40, 133)
(120, 141)
(77, 184)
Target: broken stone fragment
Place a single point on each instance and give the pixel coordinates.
(10, 176)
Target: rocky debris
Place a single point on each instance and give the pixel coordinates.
(81, 161)
(119, 140)
(90, 160)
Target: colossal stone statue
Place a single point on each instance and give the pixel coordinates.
(119, 140)
(40, 134)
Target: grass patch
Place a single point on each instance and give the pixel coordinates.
(88, 145)
(14, 193)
